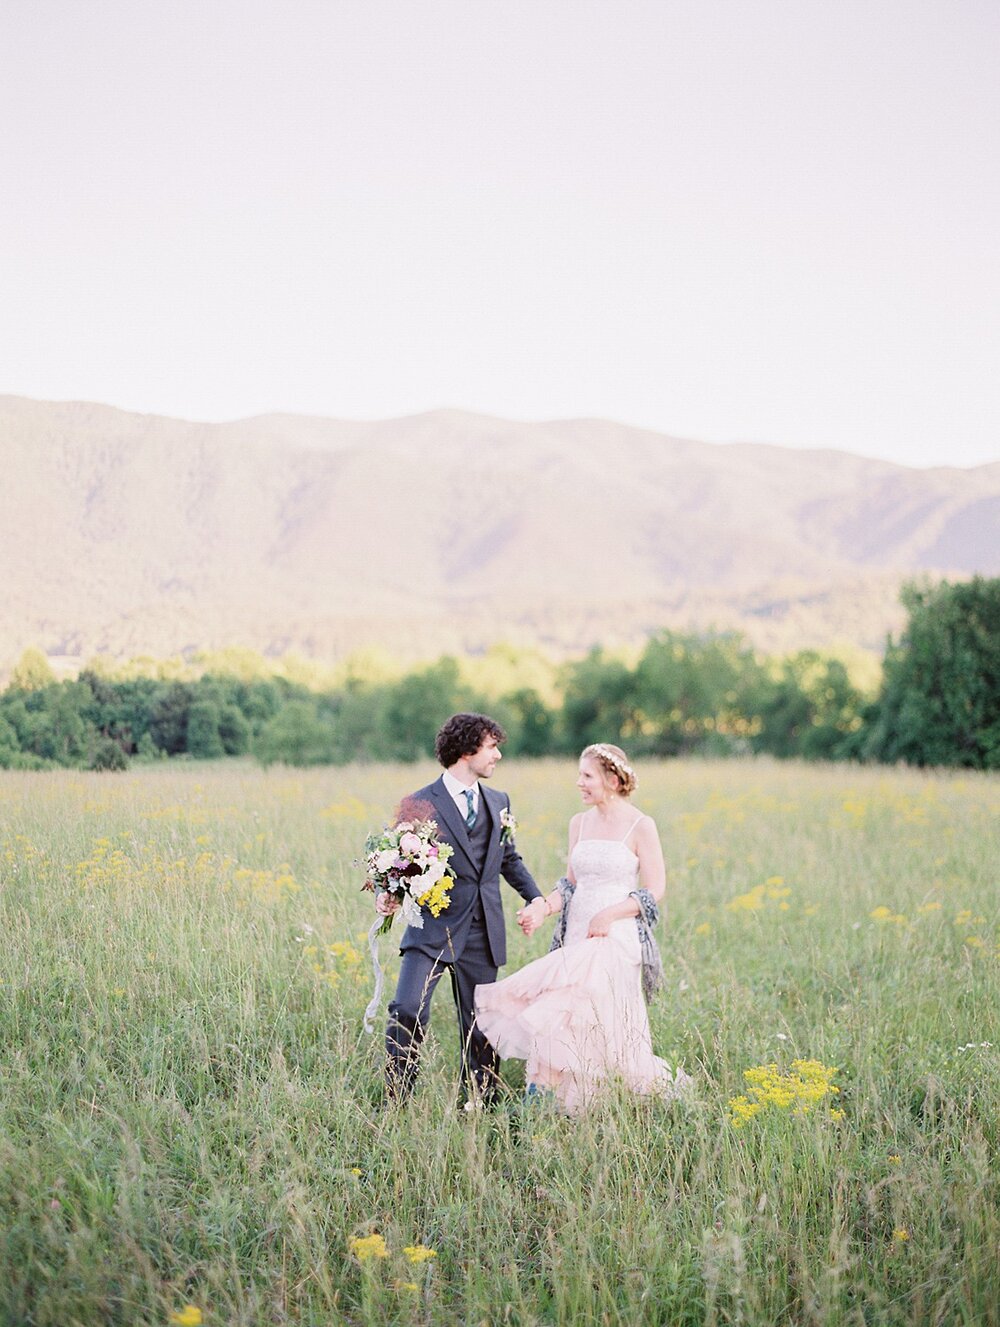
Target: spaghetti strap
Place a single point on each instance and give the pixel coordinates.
(631, 827)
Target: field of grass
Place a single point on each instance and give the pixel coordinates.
(191, 1123)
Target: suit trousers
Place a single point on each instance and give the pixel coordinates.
(409, 1016)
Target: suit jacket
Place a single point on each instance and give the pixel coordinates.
(446, 935)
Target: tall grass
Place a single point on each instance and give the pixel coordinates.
(191, 1114)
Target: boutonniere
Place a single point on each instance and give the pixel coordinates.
(508, 825)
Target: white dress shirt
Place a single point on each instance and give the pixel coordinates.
(456, 791)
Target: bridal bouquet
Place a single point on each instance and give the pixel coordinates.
(408, 862)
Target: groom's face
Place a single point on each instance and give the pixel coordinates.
(483, 762)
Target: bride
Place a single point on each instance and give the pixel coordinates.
(577, 1016)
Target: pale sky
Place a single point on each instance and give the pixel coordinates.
(759, 220)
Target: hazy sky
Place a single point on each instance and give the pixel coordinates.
(767, 221)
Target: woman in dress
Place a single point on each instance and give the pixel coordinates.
(577, 1016)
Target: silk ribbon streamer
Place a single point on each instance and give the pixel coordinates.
(374, 932)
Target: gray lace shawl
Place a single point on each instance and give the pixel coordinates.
(649, 915)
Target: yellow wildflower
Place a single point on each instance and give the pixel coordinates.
(801, 1088)
(894, 1159)
(884, 914)
(419, 1253)
(189, 1316)
(367, 1246)
(901, 1235)
(743, 1109)
(406, 1285)
(343, 951)
(964, 917)
(751, 901)
(754, 899)
(352, 808)
(704, 929)
(436, 899)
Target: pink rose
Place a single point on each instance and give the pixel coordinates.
(410, 844)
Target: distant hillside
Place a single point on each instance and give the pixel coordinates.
(126, 534)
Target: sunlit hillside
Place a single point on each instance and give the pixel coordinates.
(126, 534)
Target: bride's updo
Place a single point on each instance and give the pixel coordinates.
(613, 760)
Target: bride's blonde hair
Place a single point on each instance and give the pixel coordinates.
(613, 760)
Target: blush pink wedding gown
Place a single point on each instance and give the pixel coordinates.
(577, 1016)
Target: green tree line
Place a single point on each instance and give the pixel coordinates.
(684, 694)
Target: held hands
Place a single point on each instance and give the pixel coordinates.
(531, 917)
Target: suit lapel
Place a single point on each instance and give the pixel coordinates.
(494, 803)
(452, 821)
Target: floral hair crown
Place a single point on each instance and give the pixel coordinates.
(605, 753)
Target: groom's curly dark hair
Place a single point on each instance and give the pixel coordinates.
(463, 735)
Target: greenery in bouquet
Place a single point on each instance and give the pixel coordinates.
(409, 862)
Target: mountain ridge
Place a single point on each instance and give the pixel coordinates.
(132, 533)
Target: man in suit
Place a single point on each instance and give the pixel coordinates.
(468, 938)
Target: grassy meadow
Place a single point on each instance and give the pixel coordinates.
(191, 1122)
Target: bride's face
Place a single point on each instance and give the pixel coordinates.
(593, 782)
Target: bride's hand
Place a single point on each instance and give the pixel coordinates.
(528, 918)
(600, 924)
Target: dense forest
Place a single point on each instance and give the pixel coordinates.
(938, 703)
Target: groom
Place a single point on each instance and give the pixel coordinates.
(468, 937)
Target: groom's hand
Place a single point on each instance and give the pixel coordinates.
(531, 917)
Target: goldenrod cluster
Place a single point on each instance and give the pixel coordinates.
(436, 899)
(416, 1253)
(365, 1247)
(884, 914)
(773, 889)
(134, 865)
(351, 808)
(271, 886)
(189, 1316)
(804, 1086)
(966, 918)
(106, 865)
(20, 851)
(343, 960)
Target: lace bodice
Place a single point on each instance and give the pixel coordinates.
(606, 870)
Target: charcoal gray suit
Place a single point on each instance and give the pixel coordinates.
(468, 939)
